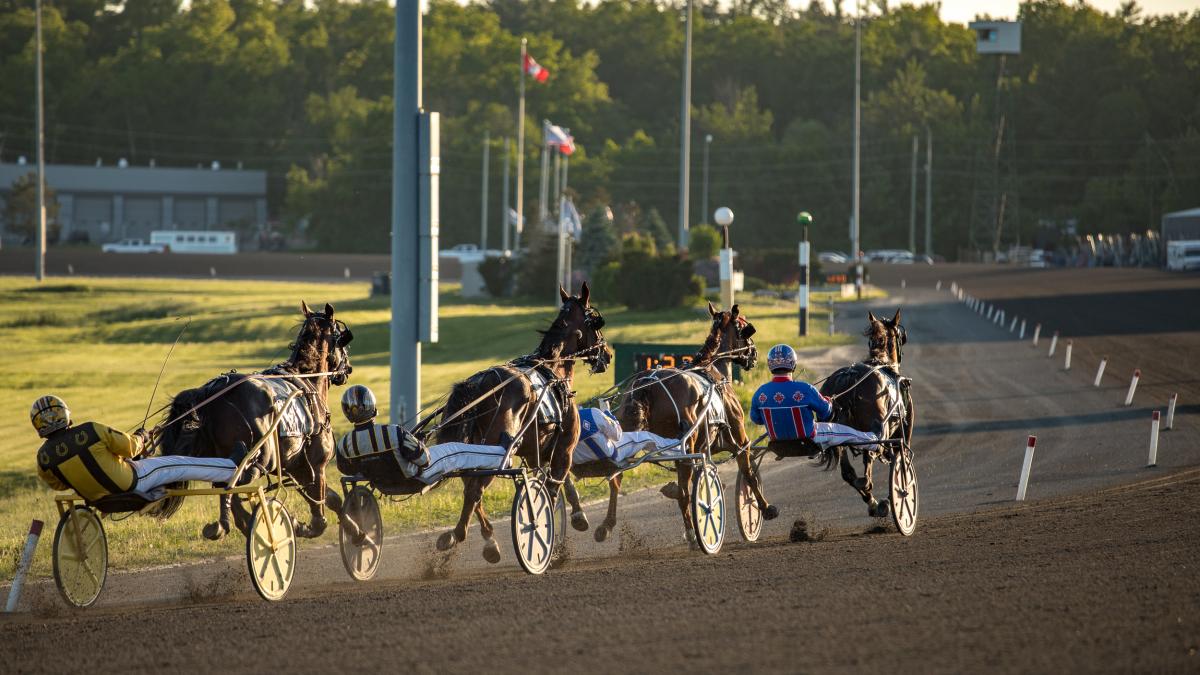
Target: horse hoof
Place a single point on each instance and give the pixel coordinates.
(491, 551)
(214, 532)
(670, 491)
(879, 509)
(771, 512)
(579, 521)
(446, 541)
(690, 537)
(601, 533)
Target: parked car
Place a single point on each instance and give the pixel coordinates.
(134, 246)
(835, 257)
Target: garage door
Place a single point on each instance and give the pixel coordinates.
(142, 216)
(189, 214)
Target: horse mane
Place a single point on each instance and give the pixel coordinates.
(711, 343)
(554, 337)
(306, 356)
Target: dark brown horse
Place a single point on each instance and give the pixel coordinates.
(871, 396)
(495, 406)
(669, 401)
(213, 424)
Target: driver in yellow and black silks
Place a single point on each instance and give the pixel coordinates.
(97, 461)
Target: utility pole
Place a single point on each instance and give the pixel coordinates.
(928, 192)
(405, 341)
(685, 130)
(912, 201)
(504, 224)
(483, 209)
(857, 243)
(41, 154)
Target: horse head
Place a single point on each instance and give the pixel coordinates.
(322, 345)
(578, 326)
(733, 335)
(886, 337)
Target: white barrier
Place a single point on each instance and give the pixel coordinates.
(1067, 360)
(1153, 461)
(938, 285)
(1053, 344)
(1037, 331)
(1026, 466)
(1100, 371)
(1171, 411)
(212, 272)
(990, 310)
(1137, 374)
(1013, 327)
(1022, 335)
(904, 283)
(346, 273)
(14, 593)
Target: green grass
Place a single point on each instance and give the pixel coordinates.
(99, 344)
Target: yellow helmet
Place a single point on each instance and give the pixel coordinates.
(49, 414)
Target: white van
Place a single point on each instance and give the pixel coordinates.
(196, 241)
(1183, 255)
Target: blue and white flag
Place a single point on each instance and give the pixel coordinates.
(569, 219)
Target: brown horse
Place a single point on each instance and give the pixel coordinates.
(495, 406)
(872, 396)
(232, 410)
(669, 401)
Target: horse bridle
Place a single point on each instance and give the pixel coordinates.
(341, 335)
(901, 340)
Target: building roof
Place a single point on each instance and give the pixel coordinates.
(71, 178)
(1188, 213)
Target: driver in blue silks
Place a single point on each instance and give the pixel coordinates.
(794, 410)
(601, 439)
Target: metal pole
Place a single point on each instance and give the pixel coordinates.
(520, 224)
(802, 295)
(483, 221)
(912, 201)
(928, 192)
(857, 243)
(405, 345)
(556, 182)
(685, 130)
(504, 224)
(704, 214)
(543, 191)
(41, 155)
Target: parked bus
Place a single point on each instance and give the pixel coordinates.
(196, 241)
(1183, 255)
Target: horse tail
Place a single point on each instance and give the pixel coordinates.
(178, 437)
(461, 395)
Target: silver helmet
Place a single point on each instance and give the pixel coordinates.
(358, 404)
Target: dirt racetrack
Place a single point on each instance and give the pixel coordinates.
(1098, 573)
(1103, 582)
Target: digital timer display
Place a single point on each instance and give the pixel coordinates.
(650, 361)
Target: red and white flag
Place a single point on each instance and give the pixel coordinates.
(535, 70)
(557, 137)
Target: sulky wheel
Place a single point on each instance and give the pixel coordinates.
(708, 508)
(560, 523)
(750, 517)
(360, 533)
(80, 556)
(903, 490)
(533, 526)
(271, 549)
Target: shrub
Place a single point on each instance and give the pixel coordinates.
(497, 276)
(703, 242)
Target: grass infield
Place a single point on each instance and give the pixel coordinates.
(99, 344)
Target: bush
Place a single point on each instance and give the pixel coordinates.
(497, 276)
(538, 265)
(656, 282)
(777, 265)
(703, 242)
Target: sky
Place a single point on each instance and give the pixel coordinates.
(964, 11)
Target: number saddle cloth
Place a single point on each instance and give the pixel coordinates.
(297, 418)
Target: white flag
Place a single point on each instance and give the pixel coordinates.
(569, 219)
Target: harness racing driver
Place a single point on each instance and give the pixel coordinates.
(793, 410)
(97, 461)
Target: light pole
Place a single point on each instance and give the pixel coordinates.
(858, 269)
(41, 156)
(685, 130)
(804, 219)
(704, 198)
(724, 217)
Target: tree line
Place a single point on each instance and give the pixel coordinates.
(1100, 130)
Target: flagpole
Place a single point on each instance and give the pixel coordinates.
(483, 208)
(520, 152)
(504, 224)
(41, 156)
(543, 192)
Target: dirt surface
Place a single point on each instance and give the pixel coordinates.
(1103, 582)
(1096, 574)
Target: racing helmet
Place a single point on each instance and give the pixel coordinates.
(49, 414)
(358, 404)
(781, 358)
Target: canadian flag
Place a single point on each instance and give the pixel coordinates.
(535, 70)
(557, 137)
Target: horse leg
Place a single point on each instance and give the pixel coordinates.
(745, 466)
(861, 485)
(610, 519)
(491, 550)
(472, 493)
(878, 509)
(683, 476)
(318, 454)
(216, 530)
(579, 519)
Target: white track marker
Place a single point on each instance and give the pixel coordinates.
(904, 283)
(14, 592)
(938, 285)
(1067, 360)
(1013, 327)
(1100, 371)
(1133, 387)
(1053, 344)
(70, 268)
(212, 272)
(1153, 461)
(346, 273)
(1022, 335)
(1026, 466)
(1171, 411)
(1037, 331)
(991, 310)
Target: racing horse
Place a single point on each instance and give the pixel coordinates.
(217, 418)
(871, 396)
(525, 404)
(669, 401)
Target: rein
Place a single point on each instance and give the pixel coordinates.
(259, 376)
